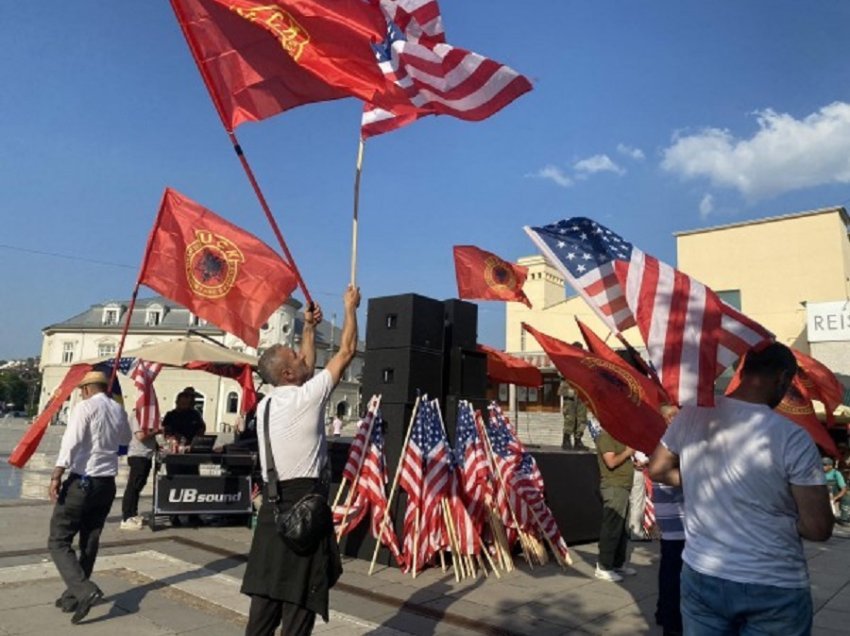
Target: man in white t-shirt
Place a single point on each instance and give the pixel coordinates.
(289, 589)
(753, 486)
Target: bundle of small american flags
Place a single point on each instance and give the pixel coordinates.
(475, 501)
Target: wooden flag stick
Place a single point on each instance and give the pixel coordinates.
(384, 517)
(457, 565)
(352, 490)
(453, 533)
(358, 173)
(416, 542)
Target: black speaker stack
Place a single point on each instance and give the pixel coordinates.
(416, 346)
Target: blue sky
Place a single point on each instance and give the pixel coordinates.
(650, 117)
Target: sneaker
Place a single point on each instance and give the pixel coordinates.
(625, 571)
(607, 575)
(133, 523)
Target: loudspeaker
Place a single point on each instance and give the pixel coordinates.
(408, 320)
(461, 320)
(398, 374)
(466, 373)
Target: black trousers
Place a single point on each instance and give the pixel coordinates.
(140, 469)
(82, 509)
(668, 611)
(266, 614)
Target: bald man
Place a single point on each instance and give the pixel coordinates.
(289, 589)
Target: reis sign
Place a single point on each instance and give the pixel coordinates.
(828, 321)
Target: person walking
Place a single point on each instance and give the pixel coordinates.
(753, 488)
(289, 588)
(97, 429)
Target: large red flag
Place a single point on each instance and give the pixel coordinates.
(32, 438)
(502, 367)
(597, 346)
(220, 272)
(619, 396)
(261, 57)
(821, 383)
(483, 275)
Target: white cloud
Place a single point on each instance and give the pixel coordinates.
(706, 206)
(629, 151)
(597, 163)
(785, 153)
(554, 174)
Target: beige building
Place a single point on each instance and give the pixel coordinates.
(791, 273)
(96, 332)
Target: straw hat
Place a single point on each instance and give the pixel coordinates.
(94, 377)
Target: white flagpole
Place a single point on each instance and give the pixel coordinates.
(358, 173)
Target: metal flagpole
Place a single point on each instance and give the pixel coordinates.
(239, 152)
(358, 172)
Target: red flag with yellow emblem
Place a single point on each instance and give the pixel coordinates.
(485, 276)
(219, 271)
(620, 396)
(261, 57)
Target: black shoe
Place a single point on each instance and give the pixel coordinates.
(66, 603)
(85, 604)
(566, 444)
(579, 446)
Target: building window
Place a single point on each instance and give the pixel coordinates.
(105, 349)
(232, 402)
(68, 352)
(196, 321)
(110, 316)
(153, 318)
(522, 339)
(731, 297)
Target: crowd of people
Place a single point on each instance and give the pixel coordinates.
(737, 488)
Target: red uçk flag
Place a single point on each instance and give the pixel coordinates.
(821, 383)
(797, 406)
(690, 333)
(502, 367)
(259, 58)
(220, 272)
(436, 77)
(598, 347)
(621, 397)
(483, 275)
(32, 438)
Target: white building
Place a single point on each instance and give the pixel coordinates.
(96, 332)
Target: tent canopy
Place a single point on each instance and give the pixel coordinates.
(180, 352)
(502, 367)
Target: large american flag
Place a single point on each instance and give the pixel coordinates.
(438, 79)
(474, 469)
(425, 475)
(690, 333)
(143, 374)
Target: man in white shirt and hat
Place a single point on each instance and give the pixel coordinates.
(96, 430)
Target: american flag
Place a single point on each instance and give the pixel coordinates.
(143, 374)
(471, 459)
(523, 484)
(425, 474)
(438, 79)
(355, 451)
(370, 491)
(690, 333)
(649, 507)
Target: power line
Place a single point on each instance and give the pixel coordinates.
(65, 256)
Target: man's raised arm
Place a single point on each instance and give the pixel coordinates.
(348, 340)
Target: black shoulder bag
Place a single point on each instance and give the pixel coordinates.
(309, 520)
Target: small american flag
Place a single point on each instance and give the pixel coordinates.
(143, 374)
(355, 452)
(523, 484)
(471, 459)
(690, 333)
(425, 473)
(649, 507)
(439, 79)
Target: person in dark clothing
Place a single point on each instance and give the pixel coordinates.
(183, 423)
